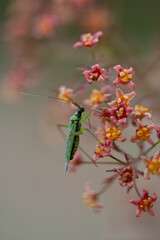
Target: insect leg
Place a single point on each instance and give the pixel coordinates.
(84, 118)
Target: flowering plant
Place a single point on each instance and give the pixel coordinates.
(113, 113)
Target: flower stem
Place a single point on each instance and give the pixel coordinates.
(93, 55)
(121, 162)
(107, 184)
(136, 188)
(146, 152)
(101, 163)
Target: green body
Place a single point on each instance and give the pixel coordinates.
(74, 130)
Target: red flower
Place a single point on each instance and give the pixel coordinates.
(127, 176)
(143, 133)
(91, 198)
(153, 165)
(119, 113)
(101, 150)
(140, 112)
(124, 77)
(97, 97)
(88, 40)
(121, 97)
(96, 74)
(145, 204)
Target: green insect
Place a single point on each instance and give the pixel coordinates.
(74, 129)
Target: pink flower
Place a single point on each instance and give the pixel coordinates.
(96, 74)
(119, 114)
(77, 160)
(153, 165)
(127, 176)
(121, 97)
(91, 198)
(143, 133)
(110, 133)
(101, 150)
(145, 204)
(140, 112)
(88, 40)
(44, 25)
(66, 94)
(97, 97)
(124, 77)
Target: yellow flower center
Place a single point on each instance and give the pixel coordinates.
(124, 77)
(99, 150)
(87, 38)
(154, 165)
(141, 108)
(123, 98)
(93, 75)
(143, 133)
(113, 133)
(145, 203)
(120, 112)
(96, 96)
(65, 96)
(90, 200)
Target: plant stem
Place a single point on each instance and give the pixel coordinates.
(101, 163)
(146, 152)
(136, 188)
(121, 162)
(93, 55)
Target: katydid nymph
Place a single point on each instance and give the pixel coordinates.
(74, 129)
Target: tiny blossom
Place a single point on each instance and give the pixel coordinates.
(76, 161)
(140, 112)
(145, 204)
(121, 97)
(66, 94)
(91, 198)
(96, 74)
(103, 19)
(153, 165)
(101, 150)
(88, 40)
(119, 113)
(45, 25)
(111, 133)
(97, 97)
(124, 77)
(143, 133)
(127, 176)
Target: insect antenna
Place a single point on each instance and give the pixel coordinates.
(60, 99)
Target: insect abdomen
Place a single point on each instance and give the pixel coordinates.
(74, 146)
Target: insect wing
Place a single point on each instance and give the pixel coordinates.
(72, 141)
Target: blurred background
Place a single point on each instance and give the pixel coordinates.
(37, 200)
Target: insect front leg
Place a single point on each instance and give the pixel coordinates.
(84, 117)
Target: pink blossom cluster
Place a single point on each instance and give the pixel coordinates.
(114, 112)
(29, 30)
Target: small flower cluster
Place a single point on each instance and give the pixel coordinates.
(113, 113)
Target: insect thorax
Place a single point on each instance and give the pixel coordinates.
(77, 115)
